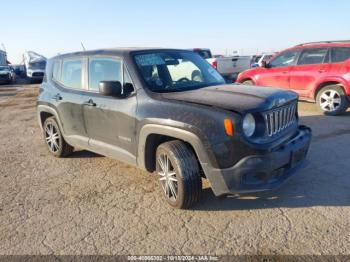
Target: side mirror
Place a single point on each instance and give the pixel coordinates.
(264, 64)
(110, 88)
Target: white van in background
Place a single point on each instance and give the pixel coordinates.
(35, 65)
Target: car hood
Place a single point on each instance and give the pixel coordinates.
(238, 98)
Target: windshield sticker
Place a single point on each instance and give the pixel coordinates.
(149, 59)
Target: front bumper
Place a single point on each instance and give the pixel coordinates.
(5, 78)
(264, 171)
(35, 75)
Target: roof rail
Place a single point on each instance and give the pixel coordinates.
(325, 42)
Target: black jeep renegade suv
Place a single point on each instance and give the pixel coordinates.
(169, 111)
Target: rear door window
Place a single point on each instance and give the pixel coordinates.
(340, 54)
(313, 56)
(72, 73)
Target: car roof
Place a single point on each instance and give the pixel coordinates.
(340, 43)
(120, 51)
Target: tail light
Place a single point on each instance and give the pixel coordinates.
(215, 64)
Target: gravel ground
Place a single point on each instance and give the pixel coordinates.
(89, 204)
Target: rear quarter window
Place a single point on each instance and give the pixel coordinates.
(340, 54)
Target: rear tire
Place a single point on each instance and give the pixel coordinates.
(179, 174)
(54, 139)
(247, 83)
(332, 100)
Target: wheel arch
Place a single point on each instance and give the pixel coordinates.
(44, 112)
(153, 135)
(330, 82)
(246, 79)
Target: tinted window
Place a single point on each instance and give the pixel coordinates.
(204, 53)
(312, 56)
(71, 73)
(56, 70)
(285, 59)
(103, 69)
(340, 54)
(38, 65)
(256, 59)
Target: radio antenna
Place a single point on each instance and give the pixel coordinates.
(82, 45)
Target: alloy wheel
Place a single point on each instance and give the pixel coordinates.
(167, 177)
(330, 100)
(52, 138)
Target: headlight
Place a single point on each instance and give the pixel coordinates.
(249, 125)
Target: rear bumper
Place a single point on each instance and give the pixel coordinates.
(264, 171)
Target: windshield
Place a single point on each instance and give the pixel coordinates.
(4, 68)
(173, 71)
(38, 65)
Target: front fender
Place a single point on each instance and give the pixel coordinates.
(217, 183)
(172, 131)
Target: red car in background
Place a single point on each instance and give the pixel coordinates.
(318, 71)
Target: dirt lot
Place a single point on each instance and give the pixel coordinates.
(89, 204)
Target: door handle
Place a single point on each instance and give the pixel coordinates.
(90, 102)
(321, 70)
(57, 97)
(285, 72)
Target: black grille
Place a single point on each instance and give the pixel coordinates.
(5, 76)
(280, 118)
(38, 74)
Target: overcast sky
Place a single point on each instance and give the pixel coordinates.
(249, 26)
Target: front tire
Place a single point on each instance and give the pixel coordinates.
(332, 100)
(247, 82)
(54, 139)
(179, 174)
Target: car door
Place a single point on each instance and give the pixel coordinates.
(312, 65)
(67, 98)
(110, 121)
(276, 73)
(340, 61)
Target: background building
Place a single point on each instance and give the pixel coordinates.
(3, 58)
